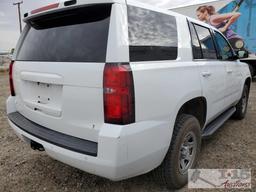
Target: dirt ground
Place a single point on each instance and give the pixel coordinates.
(25, 170)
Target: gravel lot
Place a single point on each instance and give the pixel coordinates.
(22, 169)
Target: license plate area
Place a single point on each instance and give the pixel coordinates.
(46, 93)
(42, 97)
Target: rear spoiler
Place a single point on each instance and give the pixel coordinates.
(69, 4)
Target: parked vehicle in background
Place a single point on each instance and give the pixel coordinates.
(117, 88)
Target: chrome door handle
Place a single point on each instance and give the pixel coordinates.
(206, 74)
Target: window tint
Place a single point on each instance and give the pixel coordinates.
(196, 47)
(206, 41)
(224, 49)
(152, 35)
(77, 35)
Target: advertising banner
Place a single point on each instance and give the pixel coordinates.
(245, 25)
(234, 18)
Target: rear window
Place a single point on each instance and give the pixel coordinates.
(152, 35)
(78, 35)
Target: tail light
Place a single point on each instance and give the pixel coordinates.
(11, 78)
(119, 101)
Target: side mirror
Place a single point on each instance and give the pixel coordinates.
(242, 54)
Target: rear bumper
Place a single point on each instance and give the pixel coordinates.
(54, 137)
(122, 151)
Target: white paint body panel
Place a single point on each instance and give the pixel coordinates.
(161, 88)
(213, 87)
(67, 111)
(118, 41)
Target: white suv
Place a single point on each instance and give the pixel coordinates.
(117, 88)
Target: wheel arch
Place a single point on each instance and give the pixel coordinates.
(197, 107)
(248, 82)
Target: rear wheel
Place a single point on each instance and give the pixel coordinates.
(241, 107)
(182, 154)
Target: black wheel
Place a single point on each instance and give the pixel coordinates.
(241, 106)
(252, 70)
(182, 154)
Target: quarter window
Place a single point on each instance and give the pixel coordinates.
(152, 35)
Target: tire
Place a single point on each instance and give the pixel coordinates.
(170, 172)
(241, 106)
(252, 70)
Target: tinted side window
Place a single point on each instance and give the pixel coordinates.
(196, 47)
(224, 49)
(152, 35)
(206, 41)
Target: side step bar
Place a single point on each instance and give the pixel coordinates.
(217, 123)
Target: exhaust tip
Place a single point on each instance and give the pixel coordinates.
(36, 146)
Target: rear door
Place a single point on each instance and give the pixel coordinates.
(212, 71)
(59, 70)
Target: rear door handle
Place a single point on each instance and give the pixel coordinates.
(206, 74)
(229, 71)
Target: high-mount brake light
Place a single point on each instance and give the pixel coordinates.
(45, 8)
